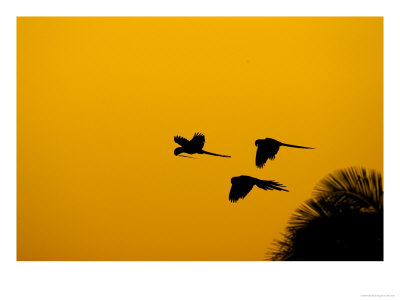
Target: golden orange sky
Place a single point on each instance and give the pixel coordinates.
(99, 101)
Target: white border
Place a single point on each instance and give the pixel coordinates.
(195, 280)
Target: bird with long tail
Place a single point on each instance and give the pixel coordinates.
(242, 185)
(194, 146)
(268, 148)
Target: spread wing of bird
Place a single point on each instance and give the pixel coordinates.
(265, 152)
(240, 189)
(198, 140)
(181, 141)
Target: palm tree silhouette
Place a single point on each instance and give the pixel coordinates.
(243, 184)
(195, 145)
(268, 148)
(343, 221)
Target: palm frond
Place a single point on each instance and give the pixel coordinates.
(360, 187)
(343, 220)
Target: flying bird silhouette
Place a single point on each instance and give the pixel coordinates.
(268, 148)
(195, 145)
(242, 185)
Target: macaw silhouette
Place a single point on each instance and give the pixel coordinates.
(268, 148)
(242, 185)
(194, 146)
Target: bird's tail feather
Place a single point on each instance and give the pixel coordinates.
(270, 185)
(210, 153)
(294, 146)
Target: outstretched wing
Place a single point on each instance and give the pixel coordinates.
(181, 140)
(270, 185)
(198, 140)
(239, 190)
(265, 152)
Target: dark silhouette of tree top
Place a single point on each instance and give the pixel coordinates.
(343, 221)
(242, 185)
(194, 146)
(268, 148)
(357, 188)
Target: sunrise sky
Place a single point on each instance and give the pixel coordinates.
(99, 101)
